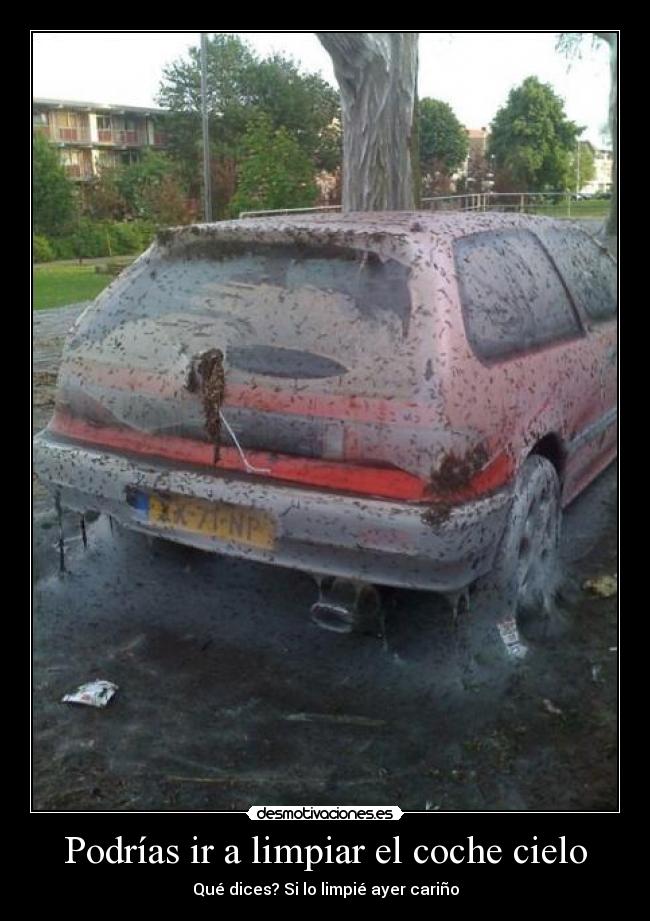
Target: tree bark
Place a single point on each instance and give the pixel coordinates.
(414, 150)
(612, 40)
(376, 73)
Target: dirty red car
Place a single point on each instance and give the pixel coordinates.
(405, 399)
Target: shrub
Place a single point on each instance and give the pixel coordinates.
(92, 239)
(165, 202)
(42, 249)
(63, 247)
(130, 237)
(103, 199)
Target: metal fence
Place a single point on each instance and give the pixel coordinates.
(280, 211)
(554, 203)
(523, 202)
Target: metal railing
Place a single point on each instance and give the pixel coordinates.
(289, 211)
(132, 138)
(554, 203)
(522, 202)
(56, 133)
(121, 138)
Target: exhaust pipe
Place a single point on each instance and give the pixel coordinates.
(334, 617)
(345, 605)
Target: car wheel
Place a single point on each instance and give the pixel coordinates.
(523, 583)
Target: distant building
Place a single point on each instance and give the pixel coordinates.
(475, 174)
(91, 135)
(602, 181)
(478, 140)
(329, 188)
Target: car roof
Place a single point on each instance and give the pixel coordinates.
(372, 228)
(387, 223)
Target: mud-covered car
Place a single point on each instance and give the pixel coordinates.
(403, 399)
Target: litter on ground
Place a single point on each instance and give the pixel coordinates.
(603, 586)
(93, 694)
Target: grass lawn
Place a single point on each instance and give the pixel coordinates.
(596, 208)
(58, 285)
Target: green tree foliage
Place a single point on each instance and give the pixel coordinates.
(532, 140)
(443, 141)
(303, 104)
(138, 182)
(275, 172)
(229, 60)
(165, 203)
(150, 188)
(570, 44)
(103, 199)
(582, 166)
(241, 87)
(53, 198)
(42, 250)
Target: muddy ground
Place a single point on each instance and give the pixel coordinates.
(229, 696)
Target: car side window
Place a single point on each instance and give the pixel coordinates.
(512, 297)
(589, 272)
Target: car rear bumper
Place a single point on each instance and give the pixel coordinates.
(375, 540)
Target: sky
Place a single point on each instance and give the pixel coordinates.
(472, 71)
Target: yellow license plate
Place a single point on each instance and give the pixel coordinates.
(215, 519)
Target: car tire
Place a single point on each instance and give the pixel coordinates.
(522, 586)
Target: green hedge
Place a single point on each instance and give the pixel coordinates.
(41, 249)
(92, 239)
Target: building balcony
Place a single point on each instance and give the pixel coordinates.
(121, 138)
(105, 136)
(59, 135)
(68, 135)
(79, 171)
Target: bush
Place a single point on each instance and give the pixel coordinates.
(41, 249)
(130, 238)
(92, 239)
(63, 247)
(103, 199)
(148, 189)
(165, 203)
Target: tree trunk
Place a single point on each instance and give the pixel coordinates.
(612, 40)
(376, 73)
(414, 150)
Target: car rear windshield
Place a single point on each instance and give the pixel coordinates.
(589, 271)
(282, 311)
(242, 280)
(288, 312)
(512, 297)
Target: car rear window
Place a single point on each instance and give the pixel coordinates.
(283, 303)
(589, 272)
(512, 297)
(198, 275)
